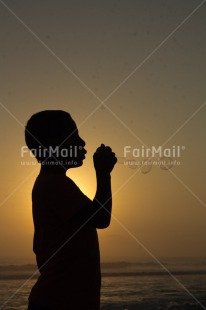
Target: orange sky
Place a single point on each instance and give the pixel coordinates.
(88, 52)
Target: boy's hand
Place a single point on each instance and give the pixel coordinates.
(104, 159)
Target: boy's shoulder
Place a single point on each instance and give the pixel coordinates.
(56, 183)
(60, 194)
(54, 178)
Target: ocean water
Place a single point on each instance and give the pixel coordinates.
(125, 285)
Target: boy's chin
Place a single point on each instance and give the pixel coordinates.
(72, 163)
(75, 163)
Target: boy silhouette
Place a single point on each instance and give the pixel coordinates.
(65, 220)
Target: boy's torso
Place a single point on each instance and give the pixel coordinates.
(67, 250)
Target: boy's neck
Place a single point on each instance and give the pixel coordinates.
(49, 169)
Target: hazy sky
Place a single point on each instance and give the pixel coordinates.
(146, 59)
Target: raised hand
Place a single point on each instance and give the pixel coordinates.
(104, 159)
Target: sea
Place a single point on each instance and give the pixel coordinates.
(126, 285)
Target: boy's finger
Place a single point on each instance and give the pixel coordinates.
(107, 148)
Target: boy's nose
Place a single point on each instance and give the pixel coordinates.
(82, 142)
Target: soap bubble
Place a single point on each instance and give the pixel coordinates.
(132, 164)
(121, 160)
(166, 163)
(146, 166)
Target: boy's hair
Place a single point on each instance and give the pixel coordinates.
(48, 128)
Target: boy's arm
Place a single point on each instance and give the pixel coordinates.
(102, 203)
(101, 207)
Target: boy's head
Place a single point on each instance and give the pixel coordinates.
(53, 138)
